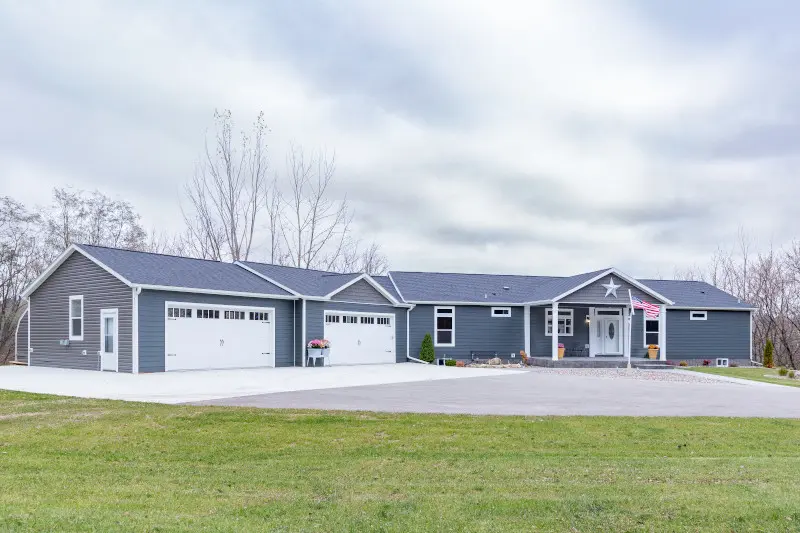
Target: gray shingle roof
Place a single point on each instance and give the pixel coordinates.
(142, 268)
(387, 284)
(302, 280)
(445, 287)
(694, 294)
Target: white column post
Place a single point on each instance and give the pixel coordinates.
(626, 345)
(527, 319)
(554, 338)
(662, 333)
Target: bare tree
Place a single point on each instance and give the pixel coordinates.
(20, 262)
(226, 192)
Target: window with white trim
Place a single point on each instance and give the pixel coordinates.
(501, 312)
(698, 315)
(76, 318)
(444, 323)
(565, 322)
(651, 328)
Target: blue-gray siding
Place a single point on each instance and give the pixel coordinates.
(361, 292)
(299, 345)
(541, 344)
(475, 330)
(724, 334)
(152, 322)
(50, 315)
(315, 321)
(21, 339)
(596, 293)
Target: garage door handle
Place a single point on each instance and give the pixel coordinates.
(222, 342)
(265, 353)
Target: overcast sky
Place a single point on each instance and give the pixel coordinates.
(495, 136)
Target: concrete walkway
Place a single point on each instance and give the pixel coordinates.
(547, 393)
(194, 386)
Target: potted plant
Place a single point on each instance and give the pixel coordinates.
(316, 346)
(560, 350)
(652, 351)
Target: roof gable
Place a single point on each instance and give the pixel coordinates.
(362, 292)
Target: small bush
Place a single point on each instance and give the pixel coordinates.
(706, 362)
(461, 364)
(426, 351)
(734, 365)
(670, 363)
(791, 374)
(683, 363)
(450, 362)
(782, 371)
(769, 354)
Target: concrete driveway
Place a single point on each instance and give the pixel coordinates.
(194, 386)
(547, 393)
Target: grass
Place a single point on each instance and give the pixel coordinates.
(767, 375)
(91, 465)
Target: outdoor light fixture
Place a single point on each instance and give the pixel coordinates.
(588, 320)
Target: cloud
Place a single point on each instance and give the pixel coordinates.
(506, 137)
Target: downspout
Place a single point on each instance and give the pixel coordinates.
(30, 348)
(408, 338)
(303, 335)
(294, 332)
(135, 331)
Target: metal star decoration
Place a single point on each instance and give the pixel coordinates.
(611, 287)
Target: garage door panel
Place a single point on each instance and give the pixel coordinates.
(200, 336)
(360, 338)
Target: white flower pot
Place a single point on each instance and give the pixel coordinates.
(326, 352)
(315, 352)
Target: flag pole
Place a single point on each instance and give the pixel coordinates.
(630, 327)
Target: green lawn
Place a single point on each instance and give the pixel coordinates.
(91, 465)
(767, 375)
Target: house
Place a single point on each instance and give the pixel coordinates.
(118, 310)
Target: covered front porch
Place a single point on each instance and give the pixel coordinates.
(590, 332)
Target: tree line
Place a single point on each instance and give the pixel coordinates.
(235, 206)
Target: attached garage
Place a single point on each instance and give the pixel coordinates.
(204, 336)
(360, 338)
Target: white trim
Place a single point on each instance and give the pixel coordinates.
(60, 260)
(30, 348)
(701, 308)
(490, 304)
(751, 336)
(387, 304)
(266, 278)
(222, 307)
(526, 313)
(366, 277)
(16, 336)
(389, 275)
(303, 333)
(571, 311)
(75, 298)
(662, 334)
(619, 274)
(103, 314)
(452, 342)
(350, 312)
(408, 333)
(703, 315)
(627, 327)
(503, 314)
(135, 331)
(644, 329)
(214, 291)
(554, 335)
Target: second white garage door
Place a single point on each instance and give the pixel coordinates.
(199, 336)
(360, 338)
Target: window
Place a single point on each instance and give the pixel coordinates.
(367, 319)
(565, 322)
(234, 315)
(444, 326)
(698, 315)
(384, 321)
(349, 319)
(722, 361)
(501, 312)
(651, 326)
(177, 312)
(108, 334)
(263, 317)
(76, 318)
(207, 313)
(332, 319)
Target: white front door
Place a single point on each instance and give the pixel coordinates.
(109, 343)
(612, 335)
(360, 338)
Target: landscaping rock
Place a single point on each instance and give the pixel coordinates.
(495, 361)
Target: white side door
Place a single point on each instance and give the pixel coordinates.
(612, 336)
(109, 340)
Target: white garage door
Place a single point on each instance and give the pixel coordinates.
(360, 338)
(199, 336)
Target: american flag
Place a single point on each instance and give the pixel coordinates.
(649, 309)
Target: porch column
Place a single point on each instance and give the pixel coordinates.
(628, 327)
(554, 338)
(662, 333)
(527, 318)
